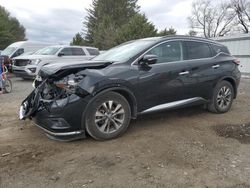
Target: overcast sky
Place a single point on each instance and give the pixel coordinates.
(59, 20)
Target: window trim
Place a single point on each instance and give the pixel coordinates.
(135, 62)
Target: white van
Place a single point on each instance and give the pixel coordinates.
(28, 66)
(18, 48)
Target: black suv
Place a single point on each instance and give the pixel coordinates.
(100, 96)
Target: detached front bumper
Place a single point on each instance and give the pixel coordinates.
(60, 119)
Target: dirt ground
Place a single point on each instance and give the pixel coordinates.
(182, 148)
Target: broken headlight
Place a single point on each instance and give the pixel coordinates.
(69, 83)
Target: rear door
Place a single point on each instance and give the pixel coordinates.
(201, 72)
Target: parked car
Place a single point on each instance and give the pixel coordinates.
(100, 96)
(29, 66)
(18, 48)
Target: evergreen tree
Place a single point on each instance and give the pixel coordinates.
(111, 22)
(11, 30)
(170, 31)
(137, 27)
(78, 40)
(106, 17)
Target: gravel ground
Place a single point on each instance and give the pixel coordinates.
(181, 148)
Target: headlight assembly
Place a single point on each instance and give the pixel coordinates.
(35, 61)
(69, 83)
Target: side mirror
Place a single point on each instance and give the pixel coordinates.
(148, 60)
(60, 54)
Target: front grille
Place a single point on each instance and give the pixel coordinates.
(21, 62)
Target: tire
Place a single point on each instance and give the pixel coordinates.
(222, 98)
(7, 86)
(107, 116)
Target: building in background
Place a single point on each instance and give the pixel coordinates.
(239, 46)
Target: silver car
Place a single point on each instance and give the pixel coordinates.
(28, 66)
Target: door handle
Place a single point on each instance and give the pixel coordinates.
(184, 73)
(215, 66)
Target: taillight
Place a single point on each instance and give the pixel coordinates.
(237, 61)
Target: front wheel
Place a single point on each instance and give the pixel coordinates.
(107, 116)
(222, 99)
(7, 86)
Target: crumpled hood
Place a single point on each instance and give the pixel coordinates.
(51, 69)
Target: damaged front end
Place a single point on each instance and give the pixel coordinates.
(50, 91)
(58, 102)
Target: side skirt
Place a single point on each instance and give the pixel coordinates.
(175, 104)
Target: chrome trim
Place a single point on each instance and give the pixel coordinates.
(184, 73)
(21, 117)
(60, 134)
(173, 104)
(215, 66)
(182, 40)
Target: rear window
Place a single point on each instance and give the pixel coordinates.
(220, 48)
(73, 52)
(93, 51)
(78, 51)
(198, 50)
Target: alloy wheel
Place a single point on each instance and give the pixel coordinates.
(224, 97)
(109, 117)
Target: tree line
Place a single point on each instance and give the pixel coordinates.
(111, 22)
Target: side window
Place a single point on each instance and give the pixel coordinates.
(168, 52)
(78, 51)
(198, 50)
(67, 51)
(93, 51)
(217, 49)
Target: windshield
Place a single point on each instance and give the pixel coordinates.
(124, 51)
(48, 51)
(8, 51)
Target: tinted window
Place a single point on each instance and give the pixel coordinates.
(67, 51)
(198, 50)
(93, 51)
(78, 51)
(168, 52)
(219, 48)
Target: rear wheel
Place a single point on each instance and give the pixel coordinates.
(7, 86)
(222, 99)
(107, 116)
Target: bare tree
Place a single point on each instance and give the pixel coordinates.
(210, 19)
(242, 10)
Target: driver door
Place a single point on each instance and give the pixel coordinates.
(162, 82)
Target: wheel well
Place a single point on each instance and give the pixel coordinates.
(232, 82)
(131, 100)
